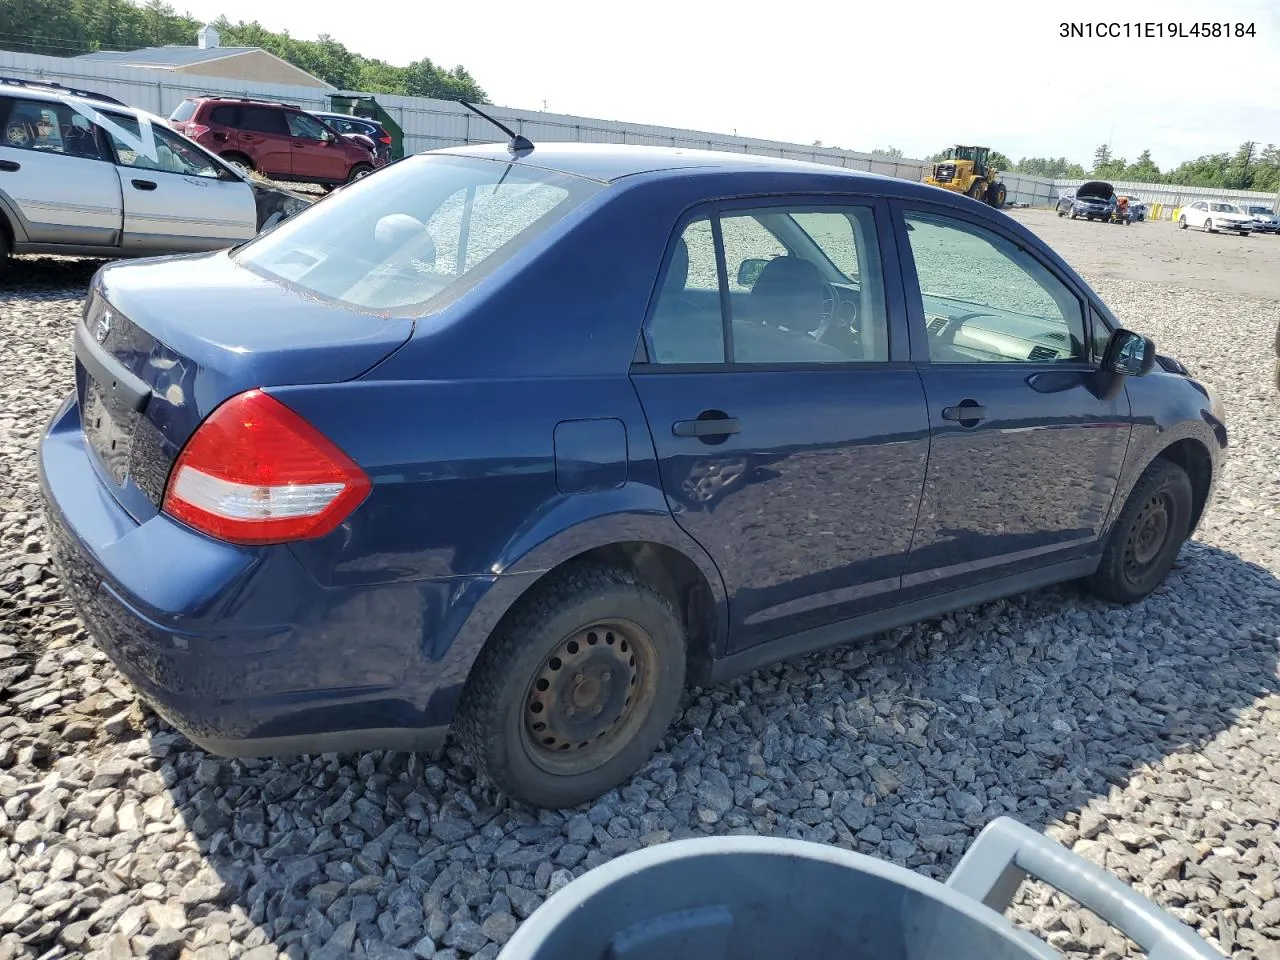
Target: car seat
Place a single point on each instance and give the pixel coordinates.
(789, 293)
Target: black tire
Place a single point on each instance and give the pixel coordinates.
(5, 249)
(996, 195)
(976, 191)
(358, 171)
(1147, 536)
(238, 159)
(544, 746)
(1061, 212)
(1182, 223)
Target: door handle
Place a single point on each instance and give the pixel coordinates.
(144, 184)
(9, 166)
(722, 427)
(966, 412)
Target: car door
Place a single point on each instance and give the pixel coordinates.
(791, 431)
(264, 137)
(179, 199)
(1027, 448)
(1195, 214)
(56, 182)
(317, 155)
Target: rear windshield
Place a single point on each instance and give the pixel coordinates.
(186, 110)
(416, 233)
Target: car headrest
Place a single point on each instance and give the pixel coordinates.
(790, 292)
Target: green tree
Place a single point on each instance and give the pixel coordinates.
(67, 28)
(886, 152)
(1143, 169)
(1101, 157)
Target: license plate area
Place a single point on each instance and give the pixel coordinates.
(109, 427)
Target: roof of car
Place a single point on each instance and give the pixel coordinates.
(44, 93)
(607, 162)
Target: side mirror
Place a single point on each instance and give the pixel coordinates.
(749, 272)
(1129, 354)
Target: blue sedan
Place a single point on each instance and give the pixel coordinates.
(520, 442)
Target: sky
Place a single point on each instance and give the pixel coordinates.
(911, 74)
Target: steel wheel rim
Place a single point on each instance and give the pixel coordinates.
(1148, 536)
(588, 697)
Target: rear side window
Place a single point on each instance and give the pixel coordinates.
(262, 120)
(224, 115)
(419, 233)
(186, 110)
(802, 285)
(49, 127)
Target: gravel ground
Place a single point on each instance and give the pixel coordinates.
(1146, 738)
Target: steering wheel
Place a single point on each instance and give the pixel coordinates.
(17, 135)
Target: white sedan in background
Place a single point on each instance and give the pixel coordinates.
(82, 174)
(1214, 215)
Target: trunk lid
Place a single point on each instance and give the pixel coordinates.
(161, 344)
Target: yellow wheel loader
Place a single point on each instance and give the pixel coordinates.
(966, 170)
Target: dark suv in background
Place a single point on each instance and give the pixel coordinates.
(363, 127)
(278, 140)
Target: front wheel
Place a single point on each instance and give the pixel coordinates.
(1208, 225)
(1147, 536)
(358, 172)
(1182, 223)
(573, 692)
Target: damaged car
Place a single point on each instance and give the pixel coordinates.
(83, 174)
(1095, 200)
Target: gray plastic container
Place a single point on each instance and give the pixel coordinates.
(763, 898)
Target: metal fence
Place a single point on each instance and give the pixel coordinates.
(429, 124)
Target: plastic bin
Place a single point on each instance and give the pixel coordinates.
(752, 898)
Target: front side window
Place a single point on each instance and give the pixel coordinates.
(48, 127)
(802, 286)
(424, 229)
(308, 128)
(987, 300)
(173, 154)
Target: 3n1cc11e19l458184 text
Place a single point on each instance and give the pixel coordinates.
(1157, 30)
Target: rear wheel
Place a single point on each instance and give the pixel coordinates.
(1182, 223)
(575, 689)
(5, 249)
(1146, 539)
(996, 195)
(359, 171)
(239, 161)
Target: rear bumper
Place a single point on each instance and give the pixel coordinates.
(241, 649)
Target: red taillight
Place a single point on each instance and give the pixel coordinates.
(384, 139)
(255, 472)
(196, 130)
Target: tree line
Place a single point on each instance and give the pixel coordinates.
(68, 28)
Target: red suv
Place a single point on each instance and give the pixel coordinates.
(279, 140)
